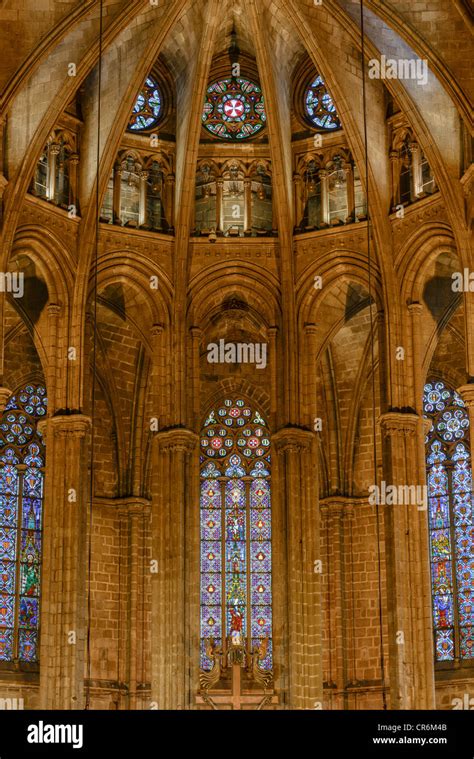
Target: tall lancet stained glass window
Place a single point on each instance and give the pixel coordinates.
(450, 503)
(236, 594)
(21, 499)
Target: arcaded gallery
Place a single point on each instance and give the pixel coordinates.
(236, 355)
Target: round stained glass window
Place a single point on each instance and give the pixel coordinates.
(234, 109)
(147, 109)
(319, 108)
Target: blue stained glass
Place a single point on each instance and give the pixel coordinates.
(261, 589)
(450, 513)
(439, 512)
(8, 479)
(31, 513)
(440, 544)
(261, 621)
(211, 588)
(28, 644)
(241, 526)
(261, 559)
(28, 616)
(8, 510)
(260, 525)
(21, 443)
(441, 577)
(210, 556)
(466, 607)
(467, 642)
(443, 611)
(7, 607)
(6, 644)
(462, 508)
(211, 524)
(148, 107)
(7, 577)
(7, 543)
(444, 645)
(319, 107)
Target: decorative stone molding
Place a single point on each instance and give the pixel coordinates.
(177, 439)
(5, 393)
(65, 425)
(395, 423)
(295, 439)
(467, 394)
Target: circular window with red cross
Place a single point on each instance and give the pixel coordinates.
(234, 109)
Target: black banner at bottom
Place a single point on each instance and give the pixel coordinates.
(121, 734)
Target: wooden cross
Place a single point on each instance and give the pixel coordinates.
(236, 699)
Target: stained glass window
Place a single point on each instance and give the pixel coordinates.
(450, 501)
(319, 107)
(21, 497)
(147, 109)
(236, 594)
(234, 109)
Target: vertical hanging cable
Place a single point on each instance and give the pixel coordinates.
(94, 357)
(372, 350)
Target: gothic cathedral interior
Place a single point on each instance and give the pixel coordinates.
(236, 354)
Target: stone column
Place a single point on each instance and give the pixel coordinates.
(395, 178)
(54, 312)
(64, 566)
(349, 172)
(272, 350)
(247, 205)
(143, 175)
(323, 176)
(410, 628)
(417, 181)
(133, 519)
(298, 198)
(333, 569)
(158, 385)
(196, 335)
(220, 205)
(169, 202)
(117, 211)
(53, 153)
(297, 484)
(175, 496)
(73, 180)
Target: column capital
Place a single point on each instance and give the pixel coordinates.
(293, 439)
(157, 330)
(415, 308)
(394, 155)
(54, 148)
(467, 394)
(65, 425)
(310, 329)
(177, 439)
(53, 309)
(74, 158)
(5, 393)
(395, 423)
(133, 507)
(196, 333)
(272, 332)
